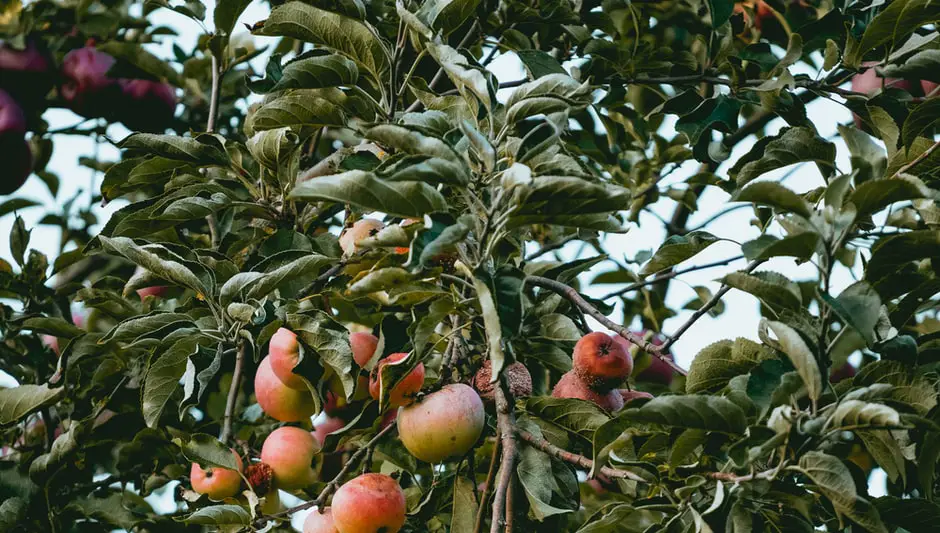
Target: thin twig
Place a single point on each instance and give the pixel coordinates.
(712, 302)
(232, 394)
(575, 459)
(322, 278)
(487, 486)
(214, 95)
(669, 275)
(552, 247)
(505, 420)
(330, 487)
(574, 297)
(916, 160)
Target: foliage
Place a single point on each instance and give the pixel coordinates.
(392, 112)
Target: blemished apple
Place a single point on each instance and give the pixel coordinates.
(216, 483)
(517, 377)
(362, 229)
(317, 522)
(600, 362)
(279, 401)
(284, 353)
(370, 503)
(404, 392)
(445, 423)
(289, 451)
(571, 386)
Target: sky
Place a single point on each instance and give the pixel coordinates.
(741, 316)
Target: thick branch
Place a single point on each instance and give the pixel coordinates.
(574, 297)
(712, 302)
(669, 275)
(573, 458)
(487, 486)
(232, 394)
(330, 487)
(506, 423)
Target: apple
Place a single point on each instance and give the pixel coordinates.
(156, 291)
(18, 158)
(403, 393)
(363, 347)
(26, 73)
(928, 87)
(845, 371)
(215, 482)
(600, 362)
(370, 503)
(317, 522)
(289, 451)
(361, 229)
(284, 353)
(328, 425)
(571, 386)
(658, 371)
(150, 105)
(517, 375)
(443, 424)
(86, 87)
(279, 401)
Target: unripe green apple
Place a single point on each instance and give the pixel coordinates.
(370, 503)
(317, 522)
(446, 423)
(404, 392)
(571, 386)
(284, 352)
(279, 401)
(289, 452)
(600, 362)
(217, 483)
(362, 229)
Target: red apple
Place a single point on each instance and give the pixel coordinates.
(289, 451)
(600, 362)
(150, 105)
(571, 386)
(403, 393)
(279, 401)
(445, 423)
(317, 522)
(26, 73)
(284, 353)
(370, 503)
(217, 483)
(86, 87)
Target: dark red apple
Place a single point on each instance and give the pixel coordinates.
(26, 73)
(150, 105)
(14, 150)
(86, 87)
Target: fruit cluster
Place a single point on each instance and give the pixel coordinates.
(601, 363)
(28, 74)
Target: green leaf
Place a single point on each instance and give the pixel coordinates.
(431, 170)
(893, 25)
(860, 307)
(13, 513)
(207, 451)
(693, 411)
(470, 80)
(318, 72)
(329, 342)
(720, 11)
(447, 240)
(622, 518)
(446, 16)
(226, 14)
(200, 150)
(576, 416)
(364, 189)
(218, 515)
(889, 254)
(412, 142)
(163, 378)
(22, 400)
(304, 268)
(140, 58)
(773, 194)
(677, 249)
(538, 63)
(718, 362)
(915, 514)
(463, 515)
(379, 280)
(873, 196)
(145, 257)
(302, 110)
(352, 38)
(719, 113)
(856, 414)
(791, 145)
(559, 328)
(491, 320)
(792, 344)
(924, 116)
(57, 327)
(550, 196)
(19, 240)
(272, 148)
(802, 246)
(833, 479)
(15, 204)
(772, 288)
(534, 471)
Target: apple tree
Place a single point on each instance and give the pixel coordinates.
(353, 277)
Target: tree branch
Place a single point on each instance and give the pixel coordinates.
(705, 308)
(232, 394)
(487, 486)
(670, 275)
(506, 423)
(214, 95)
(575, 459)
(916, 160)
(574, 297)
(330, 487)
